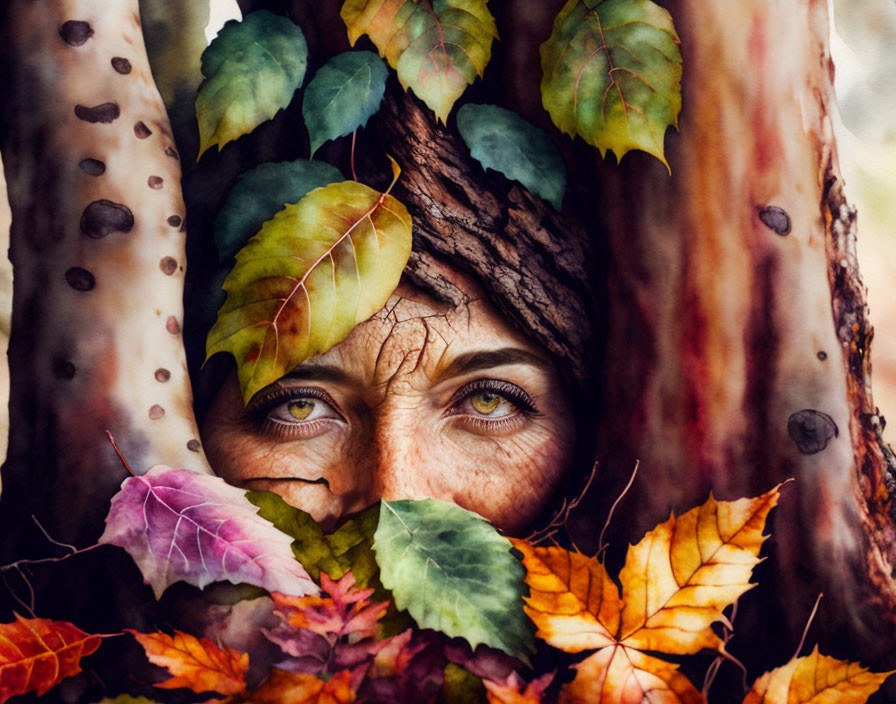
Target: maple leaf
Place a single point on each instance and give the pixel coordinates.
(410, 667)
(180, 525)
(196, 663)
(816, 679)
(675, 584)
(37, 654)
(296, 688)
(515, 691)
(335, 632)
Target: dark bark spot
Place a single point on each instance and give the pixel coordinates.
(155, 182)
(168, 265)
(172, 152)
(141, 130)
(172, 326)
(175, 220)
(105, 113)
(75, 32)
(92, 167)
(80, 279)
(121, 64)
(822, 355)
(811, 430)
(156, 412)
(775, 218)
(63, 369)
(103, 217)
(162, 375)
(193, 445)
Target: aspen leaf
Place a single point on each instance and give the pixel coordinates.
(260, 193)
(453, 573)
(437, 48)
(502, 140)
(611, 73)
(816, 679)
(342, 96)
(180, 525)
(312, 273)
(36, 654)
(297, 688)
(195, 663)
(252, 68)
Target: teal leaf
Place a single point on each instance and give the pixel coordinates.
(261, 193)
(502, 140)
(454, 573)
(343, 95)
(252, 69)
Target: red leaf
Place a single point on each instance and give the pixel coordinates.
(37, 654)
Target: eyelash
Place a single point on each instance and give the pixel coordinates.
(511, 392)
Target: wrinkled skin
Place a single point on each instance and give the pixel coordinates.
(422, 400)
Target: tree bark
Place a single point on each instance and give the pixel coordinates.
(737, 352)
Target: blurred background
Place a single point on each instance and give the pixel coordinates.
(863, 45)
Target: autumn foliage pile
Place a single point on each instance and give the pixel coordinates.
(423, 601)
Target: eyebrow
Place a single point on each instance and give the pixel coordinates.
(474, 361)
(318, 372)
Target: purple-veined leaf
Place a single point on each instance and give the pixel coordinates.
(182, 526)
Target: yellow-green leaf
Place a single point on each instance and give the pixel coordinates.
(252, 69)
(438, 47)
(612, 74)
(312, 273)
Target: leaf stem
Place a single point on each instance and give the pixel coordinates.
(118, 452)
(806, 629)
(354, 175)
(600, 542)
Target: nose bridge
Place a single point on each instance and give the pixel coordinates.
(398, 471)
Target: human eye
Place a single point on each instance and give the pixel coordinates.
(295, 412)
(492, 405)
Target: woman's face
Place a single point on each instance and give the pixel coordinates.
(423, 400)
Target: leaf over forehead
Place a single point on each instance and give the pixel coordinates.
(182, 526)
(679, 578)
(438, 48)
(312, 273)
(572, 600)
(611, 73)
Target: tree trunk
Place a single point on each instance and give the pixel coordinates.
(97, 246)
(738, 339)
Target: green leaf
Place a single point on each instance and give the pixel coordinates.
(437, 48)
(454, 573)
(260, 193)
(612, 74)
(252, 68)
(312, 273)
(342, 96)
(502, 140)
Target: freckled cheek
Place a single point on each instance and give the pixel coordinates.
(509, 480)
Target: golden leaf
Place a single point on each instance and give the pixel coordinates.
(816, 679)
(196, 663)
(293, 688)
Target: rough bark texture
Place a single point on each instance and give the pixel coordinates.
(97, 244)
(737, 347)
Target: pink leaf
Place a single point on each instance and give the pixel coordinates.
(182, 526)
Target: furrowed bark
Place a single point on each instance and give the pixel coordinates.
(97, 245)
(737, 351)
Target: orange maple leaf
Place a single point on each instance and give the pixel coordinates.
(293, 688)
(196, 663)
(515, 691)
(37, 654)
(816, 679)
(676, 583)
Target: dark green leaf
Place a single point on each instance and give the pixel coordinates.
(252, 69)
(260, 193)
(502, 140)
(453, 573)
(343, 95)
